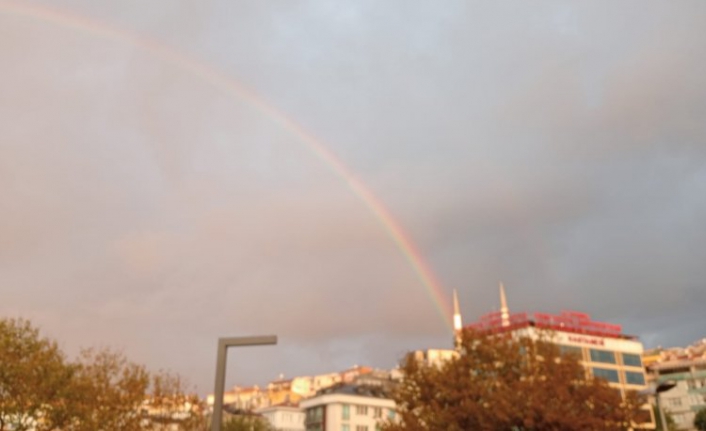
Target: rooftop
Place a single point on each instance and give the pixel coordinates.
(568, 321)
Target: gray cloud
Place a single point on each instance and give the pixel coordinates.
(552, 146)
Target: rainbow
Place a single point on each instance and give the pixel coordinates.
(220, 80)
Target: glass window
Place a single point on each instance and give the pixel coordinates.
(390, 414)
(345, 427)
(361, 410)
(570, 350)
(606, 373)
(633, 378)
(377, 412)
(604, 356)
(346, 412)
(632, 360)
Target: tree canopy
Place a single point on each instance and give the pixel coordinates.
(40, 389)
(505, 382)
(246, 423)
(700, 420)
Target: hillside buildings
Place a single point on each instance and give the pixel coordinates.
(357, 399)
(687, 368)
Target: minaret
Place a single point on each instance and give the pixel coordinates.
(458, 324)
(504, 311)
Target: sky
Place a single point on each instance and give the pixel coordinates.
(160, 183)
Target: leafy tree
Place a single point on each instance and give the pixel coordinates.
(107, 392)
(102, 391)
(246, 423)
(171, 405)
(505, 382)
(33, 377)
(700, 420)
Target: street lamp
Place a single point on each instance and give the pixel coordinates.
(223, 344)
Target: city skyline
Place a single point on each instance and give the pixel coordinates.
(171, 174)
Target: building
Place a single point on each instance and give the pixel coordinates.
(435, 357)
(282, 391)
(602, 348)
(348, 407)
(686, 367)
(284, 417)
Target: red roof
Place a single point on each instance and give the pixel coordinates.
(567, 321)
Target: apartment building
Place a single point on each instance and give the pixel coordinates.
(348, 407)
(284, 417)
(689, 395)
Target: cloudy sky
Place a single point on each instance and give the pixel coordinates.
(151, 201)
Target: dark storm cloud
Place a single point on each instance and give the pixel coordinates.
(550, 146)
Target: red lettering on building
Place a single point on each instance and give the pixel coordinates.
(586, 340)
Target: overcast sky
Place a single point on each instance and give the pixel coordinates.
(560, 148)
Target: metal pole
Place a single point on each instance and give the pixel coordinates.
(223, 344)
(217, 418)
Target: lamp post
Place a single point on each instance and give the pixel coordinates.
(223, 344)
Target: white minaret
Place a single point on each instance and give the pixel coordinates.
(458, 324)
(504, 311)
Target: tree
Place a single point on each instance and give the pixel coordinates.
(505, 382)
(700, 420)
(171, 405)
(41, 390)
(107, 392)
(33, 377)
(248, 422)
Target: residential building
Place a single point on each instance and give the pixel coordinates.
(283, 390)
(689, 395)
(348, 407)
(435, 357)
(284, 417)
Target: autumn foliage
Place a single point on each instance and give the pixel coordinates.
(504, 382)
(42, 390)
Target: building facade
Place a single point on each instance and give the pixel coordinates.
(284, 417)
(348, 407)
(689, 395)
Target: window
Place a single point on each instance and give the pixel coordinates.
(633, 378)
(345, 427)
(390, 414)
(632, 360)
(602, 356)
(570, 350)
(346, 412)
(314, 414)
(606, 373)
(377, 412)
(361, 428)
(361, 410)
(674, 402)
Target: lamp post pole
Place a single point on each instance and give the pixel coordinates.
(222, 355)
